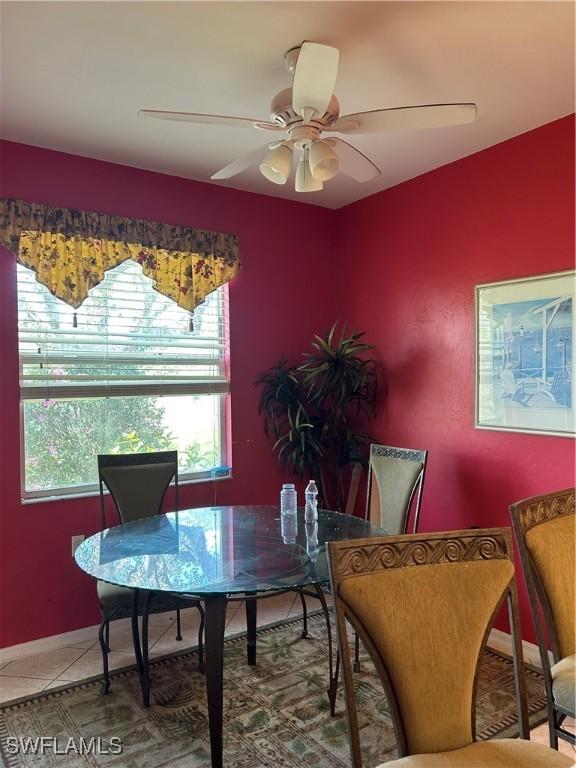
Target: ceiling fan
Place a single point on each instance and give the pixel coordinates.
(310, 109)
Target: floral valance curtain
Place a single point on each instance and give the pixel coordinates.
(70, 251)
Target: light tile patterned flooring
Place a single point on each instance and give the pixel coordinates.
(77, 661)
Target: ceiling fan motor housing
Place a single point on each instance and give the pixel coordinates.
(283, 115)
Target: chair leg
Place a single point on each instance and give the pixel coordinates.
(108, 636)
(553, 734)
(333, 671)
(201, 666)
(304, 616)
(356, 652)
(103, 635)
(561, 731)
(178, 625)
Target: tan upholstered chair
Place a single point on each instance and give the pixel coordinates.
(395, 479)
(545, 528)
(423, 605)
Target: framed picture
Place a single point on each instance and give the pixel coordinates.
(524, 375)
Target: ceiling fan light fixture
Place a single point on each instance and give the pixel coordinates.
(277, 164)
(305, 181)
(324, 162)
(309, 109)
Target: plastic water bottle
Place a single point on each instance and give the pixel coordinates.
(311, 502)
(288, 499)
(312, 540)
(289, 528)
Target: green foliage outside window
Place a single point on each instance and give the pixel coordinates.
(64, 437)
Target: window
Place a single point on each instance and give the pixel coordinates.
(124, 373)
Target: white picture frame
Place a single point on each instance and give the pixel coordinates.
(524, 378)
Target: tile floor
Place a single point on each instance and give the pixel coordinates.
(540, 734)
(79, 660)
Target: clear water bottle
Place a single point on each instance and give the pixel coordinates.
(289, 528)
(311, 502)
(288, 499)
(312, 540)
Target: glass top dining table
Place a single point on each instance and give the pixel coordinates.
(217, 554)
(218, 550)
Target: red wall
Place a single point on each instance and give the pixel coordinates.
(277, 302)
(409, 258)
(402, 263)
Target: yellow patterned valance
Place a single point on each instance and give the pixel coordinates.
(70, 251)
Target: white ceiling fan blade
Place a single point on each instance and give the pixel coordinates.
(352, 162)
(196, 117)
(314, 79)
(254, 157)
(405, 118)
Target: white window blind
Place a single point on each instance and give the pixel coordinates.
(125, 339)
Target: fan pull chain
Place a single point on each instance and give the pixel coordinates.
(191, 324)
(75, 321)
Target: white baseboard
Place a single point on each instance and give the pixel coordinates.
(502, 641)
(52, 643)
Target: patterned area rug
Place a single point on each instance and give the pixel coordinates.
(276, 713)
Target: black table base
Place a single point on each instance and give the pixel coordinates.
(215, 608)
(214, 628)
(251, 616)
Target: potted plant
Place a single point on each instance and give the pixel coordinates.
(318, 412)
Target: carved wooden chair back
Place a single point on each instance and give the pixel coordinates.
(423, 605)
(395, 480)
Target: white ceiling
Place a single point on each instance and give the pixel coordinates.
(74, 75)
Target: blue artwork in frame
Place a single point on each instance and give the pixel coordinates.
(524, 355)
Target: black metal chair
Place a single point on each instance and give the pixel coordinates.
(137, 483)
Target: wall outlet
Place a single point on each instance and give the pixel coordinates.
(76, 541)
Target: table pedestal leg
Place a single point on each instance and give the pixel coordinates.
(141, 646)
(215, 609)
(251, 616)
(145, 679)
(136, 630)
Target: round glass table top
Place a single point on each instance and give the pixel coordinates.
(219, 550)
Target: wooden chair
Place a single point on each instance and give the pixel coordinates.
(424, 605)
(545, 529)
(137, 483)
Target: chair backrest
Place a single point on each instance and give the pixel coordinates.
(395, 479)
(137, 482)
(423, 605)
(545, 528)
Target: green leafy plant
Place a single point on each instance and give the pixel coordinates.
(199, 457)
(317, 412)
